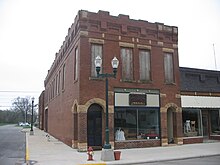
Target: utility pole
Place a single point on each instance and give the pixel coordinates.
(214, 56)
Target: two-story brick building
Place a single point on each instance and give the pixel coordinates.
(144, 98)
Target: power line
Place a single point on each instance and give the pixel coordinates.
(8, 91)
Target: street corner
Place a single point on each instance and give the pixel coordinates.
(31, 162)
(25, 130)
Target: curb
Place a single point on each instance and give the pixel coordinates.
(26, 149)
(163, 160)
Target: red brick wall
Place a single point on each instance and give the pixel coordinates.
(215, 137)
(111, 48)
(137, 144)
(41, 111)
(193, 140)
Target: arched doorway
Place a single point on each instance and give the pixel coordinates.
(94, 126)
(46, 121)
(170, 125)
(75, 126)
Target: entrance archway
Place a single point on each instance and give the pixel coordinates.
(94, 126)
(75, 126)
(46, 121)
(170, 125)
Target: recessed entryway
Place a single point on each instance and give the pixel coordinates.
(170, 117)
(94, 126)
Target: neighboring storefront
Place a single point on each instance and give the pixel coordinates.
(200, 100)
(201, 118)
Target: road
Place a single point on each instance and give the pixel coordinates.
(211, 160)
(12, 145)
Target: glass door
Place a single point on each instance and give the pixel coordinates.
(205, 125)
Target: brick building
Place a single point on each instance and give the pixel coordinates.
(144, 98)
(200, 100)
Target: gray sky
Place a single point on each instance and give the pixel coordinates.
(32, 31)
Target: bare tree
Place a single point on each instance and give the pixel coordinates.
(22, 106)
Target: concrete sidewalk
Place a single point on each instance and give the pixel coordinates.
(40, 151)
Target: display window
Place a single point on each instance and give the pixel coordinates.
(136, 123)
(192, 125)
(215, 122)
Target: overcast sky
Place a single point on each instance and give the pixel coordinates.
(32, 31)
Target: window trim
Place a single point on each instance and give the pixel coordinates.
(93, 73)
(63, 76)
(150, 66)
(131, 73)
(166, 54)
(76, 64)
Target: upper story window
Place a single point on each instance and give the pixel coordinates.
(96, 50)
(76, 64)
(54, 87)
(58, 86)
(63, 77)
(50, 90)
(46, 95)
(145, 66)
(127, 63)
(56, 93)
(168, 68)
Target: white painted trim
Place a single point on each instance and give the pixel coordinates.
(200, 102)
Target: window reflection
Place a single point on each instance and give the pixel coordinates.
(137, 123)
(215, 122)
(191, 122)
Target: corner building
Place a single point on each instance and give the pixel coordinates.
(144, 98)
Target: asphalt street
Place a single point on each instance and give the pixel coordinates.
(12, 145)
(209, 160)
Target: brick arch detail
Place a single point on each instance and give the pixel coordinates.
(178, 134)
(99, 101)
(173, 106)
(75, 104)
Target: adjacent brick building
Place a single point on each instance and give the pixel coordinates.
(200, 97)
(144, 98)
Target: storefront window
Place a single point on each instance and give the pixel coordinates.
(192, 122)
(215, 122)
(136, 123)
